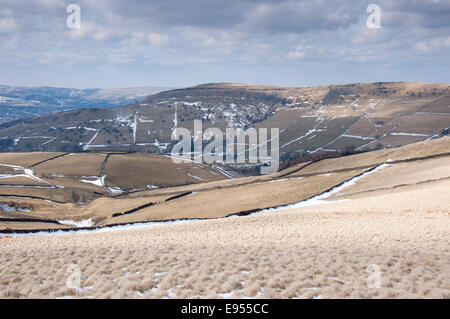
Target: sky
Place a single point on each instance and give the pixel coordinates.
(178, 43)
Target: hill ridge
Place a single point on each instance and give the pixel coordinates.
(334, 118)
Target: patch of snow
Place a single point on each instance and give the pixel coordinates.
(171, 294)
(7, 208)
(77, 224)
(339, 280)
(328, 150)
(14, 167)
(29, 137)
(175, 118)
(320, 199)
(29, 173)
(144, 120)
(196, 177)
(409, 134)
(358, 137)
(115, 190)
(226, 295)
(50, 140)
(112, 228)
(98, 181)
(88, 144)
(134, 127)
(299, 138)
(224, 172)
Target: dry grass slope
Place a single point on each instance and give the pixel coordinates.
(320, 252)
(394, 220)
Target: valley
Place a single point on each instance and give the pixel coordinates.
(18, 102)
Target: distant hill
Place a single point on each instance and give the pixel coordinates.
(20, 102)
(312, 120)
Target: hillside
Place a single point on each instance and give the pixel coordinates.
(328, 227)
(311, 120)
(66, 179)
(44, 191)
(295, 253)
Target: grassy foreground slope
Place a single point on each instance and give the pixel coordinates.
(397, 233)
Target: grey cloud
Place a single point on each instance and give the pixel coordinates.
(236, 36)
(169, 13)
(255, 16)
(298, 17)
(274, 15)
(417, 13)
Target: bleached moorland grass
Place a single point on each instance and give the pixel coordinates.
(26, 159)
(416, 150)
(319, 251)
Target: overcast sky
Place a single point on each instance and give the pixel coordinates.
(187, 42)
